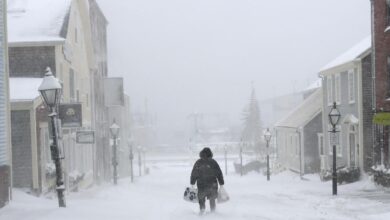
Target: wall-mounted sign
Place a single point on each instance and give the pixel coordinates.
(85, 137)
(71, 115)
(113, 91)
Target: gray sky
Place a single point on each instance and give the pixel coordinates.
(201, 55)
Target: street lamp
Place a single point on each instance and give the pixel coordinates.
(131, 157)
(334, 118)
(267, 137)
(50, 90)
(241, 168)
(139, 148)
(114, 129)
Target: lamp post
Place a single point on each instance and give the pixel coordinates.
(267, 137)
(144, 160)
(139, 148)
(334, 117)
(50, 90)
(225, 148)
(114, 129)
(241, 168)
(131, 157)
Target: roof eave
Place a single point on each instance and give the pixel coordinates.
(330, 70)
(36, 43)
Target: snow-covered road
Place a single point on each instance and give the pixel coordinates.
(159, 196)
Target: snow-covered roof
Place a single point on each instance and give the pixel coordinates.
(36, 20)
(24, 88)
(303, 113)
(351, 54)
(315, 85)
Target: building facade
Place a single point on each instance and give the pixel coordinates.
(299, 136)
(5, 145)
(346, 81)
(100, 111)
(380, 19)
(64, 45)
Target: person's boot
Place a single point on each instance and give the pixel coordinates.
(202, 211)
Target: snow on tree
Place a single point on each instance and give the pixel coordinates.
(252, 133)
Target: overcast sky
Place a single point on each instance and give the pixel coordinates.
(201, 55)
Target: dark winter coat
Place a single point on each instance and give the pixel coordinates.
(207, 174)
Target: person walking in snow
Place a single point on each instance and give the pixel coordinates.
(207, 174)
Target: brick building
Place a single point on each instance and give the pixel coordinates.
(380, 19)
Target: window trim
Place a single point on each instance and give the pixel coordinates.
(337, 89)
(351, 89)
(329, 88)
(387, 14)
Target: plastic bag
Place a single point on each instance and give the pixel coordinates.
(223, 196)
(191, 195)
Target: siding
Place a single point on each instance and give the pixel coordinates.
(311, 148)
(367, 92)
(21, 149)
(31, 61)
(4, 167)
(3, 92)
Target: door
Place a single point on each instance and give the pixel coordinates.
(353, 147)
(321, 151)
(352, 150)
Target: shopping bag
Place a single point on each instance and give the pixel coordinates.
(223, 196)
(191, 195)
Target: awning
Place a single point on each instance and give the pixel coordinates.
(382, 118)
(350, 119)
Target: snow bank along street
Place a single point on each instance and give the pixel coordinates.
(159, 196)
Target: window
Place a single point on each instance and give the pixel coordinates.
(75, 35)
(351, 86)
(388, 76)
(71, 85)
(337, 89)
(388, 12)
(329, 90)
(321, 144)
(297, 147)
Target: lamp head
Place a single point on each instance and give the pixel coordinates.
(114, 129)
(334, 115)
(267, 135)
(50, 89)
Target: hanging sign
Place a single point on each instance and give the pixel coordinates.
(382, 118)
(85, 137)
(71, 115)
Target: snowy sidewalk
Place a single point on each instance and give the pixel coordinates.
(159, 196)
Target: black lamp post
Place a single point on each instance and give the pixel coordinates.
(114, 129)
(267, 137)
(50, 90)
(334, 117)
(242, 168)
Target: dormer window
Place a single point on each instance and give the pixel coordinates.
(388, 12)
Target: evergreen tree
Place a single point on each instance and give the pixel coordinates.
(252, 132)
